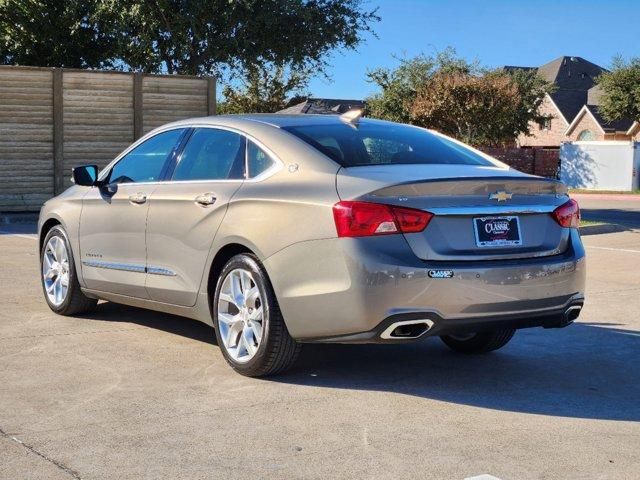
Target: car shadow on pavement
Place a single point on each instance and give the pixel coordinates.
(583, 371)
(588, 370)
(185, 327)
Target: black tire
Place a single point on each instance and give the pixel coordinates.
(75, 302)
(481, 342)
(277, 351)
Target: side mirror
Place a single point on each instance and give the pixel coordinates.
(85, 175)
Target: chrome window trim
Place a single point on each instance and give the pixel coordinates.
(267, 173)
(492, 209)
(105, 171)
(278, 163)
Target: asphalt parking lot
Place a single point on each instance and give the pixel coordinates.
(126, 393)
(612, 208)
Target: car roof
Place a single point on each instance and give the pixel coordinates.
(272, 119)
(284, 120)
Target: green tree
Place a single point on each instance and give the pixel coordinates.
(180, 36)
(621, 90)
(53, 33)
(399, 86)
(459, 98)
(263, 89)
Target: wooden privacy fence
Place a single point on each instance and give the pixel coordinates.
(52, 119)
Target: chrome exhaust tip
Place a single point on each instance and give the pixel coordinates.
(406, 330)
(572, 313)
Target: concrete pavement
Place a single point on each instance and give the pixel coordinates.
(127, 393)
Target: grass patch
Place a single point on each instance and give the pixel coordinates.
(586, 223)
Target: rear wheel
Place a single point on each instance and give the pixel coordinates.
(480, 342)
(249, 326)
(59, 279)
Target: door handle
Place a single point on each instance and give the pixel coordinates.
(205, 199)
(138, 198)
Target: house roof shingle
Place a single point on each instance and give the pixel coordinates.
(573, 77)
(323, 106)
(617, 126)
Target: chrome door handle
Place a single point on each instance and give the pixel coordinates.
(205, 199)
(138, 198)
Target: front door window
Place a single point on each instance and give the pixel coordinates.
(145, 162)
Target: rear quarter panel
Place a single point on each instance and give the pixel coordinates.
(292, 206)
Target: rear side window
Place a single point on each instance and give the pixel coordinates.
(144, 163)
(373, 143)
(212, 154)
(258, 161)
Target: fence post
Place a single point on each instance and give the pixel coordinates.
(211, 95)
(138, 121)
(58, 132)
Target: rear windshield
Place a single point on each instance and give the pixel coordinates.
(384, 144)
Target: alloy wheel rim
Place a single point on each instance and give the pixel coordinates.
(240, 315)
(55, 270)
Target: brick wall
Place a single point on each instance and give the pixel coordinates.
(536, 161)
(586, 122)
(551, 137)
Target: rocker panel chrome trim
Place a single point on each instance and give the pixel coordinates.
(130, 268)
(115, 266)
(161, 271)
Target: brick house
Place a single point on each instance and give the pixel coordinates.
(572, 108)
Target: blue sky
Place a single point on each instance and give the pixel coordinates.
(496, 32)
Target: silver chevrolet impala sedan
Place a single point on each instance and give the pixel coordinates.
(279, 230)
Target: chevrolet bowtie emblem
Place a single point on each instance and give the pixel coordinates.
(501, 196)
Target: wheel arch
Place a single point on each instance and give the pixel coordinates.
(223, 255)
(46, 227)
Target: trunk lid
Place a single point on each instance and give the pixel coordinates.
(467, 200)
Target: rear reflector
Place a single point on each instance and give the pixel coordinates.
(568, 214)
(364, 219)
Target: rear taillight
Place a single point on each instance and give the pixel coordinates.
(568, 214)
(364, 219)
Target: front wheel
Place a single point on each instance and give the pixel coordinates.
(59, 278)
(249, 326)
(480, 342)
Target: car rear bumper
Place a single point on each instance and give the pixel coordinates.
(414, 326)
(352, 289)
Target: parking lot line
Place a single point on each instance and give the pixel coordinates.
(628, 250)
(484, 476)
